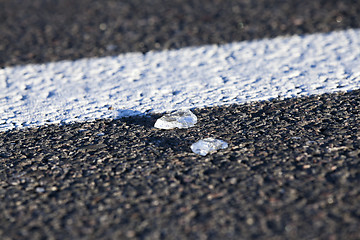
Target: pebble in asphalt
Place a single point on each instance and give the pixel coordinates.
(291, 171)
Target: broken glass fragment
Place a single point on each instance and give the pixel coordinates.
(208, 145)
(176, 119)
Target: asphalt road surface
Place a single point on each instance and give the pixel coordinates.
(292, 169)
(42, 31)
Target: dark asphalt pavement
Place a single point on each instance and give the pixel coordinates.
(292, 169)
(291, 172)
(50, 30)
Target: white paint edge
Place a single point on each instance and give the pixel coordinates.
(71, 91)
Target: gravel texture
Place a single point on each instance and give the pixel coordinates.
(291, 172)
(51, 30)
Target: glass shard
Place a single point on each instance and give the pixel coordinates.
(208, 145)
(176, 119)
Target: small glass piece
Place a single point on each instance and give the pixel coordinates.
(208, 145)
(176, 119)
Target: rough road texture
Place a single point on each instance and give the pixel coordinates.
(292, 171)
(42, 30)
(34, 95)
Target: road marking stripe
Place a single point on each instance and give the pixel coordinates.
(134, 83)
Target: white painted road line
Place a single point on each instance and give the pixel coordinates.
(134, 83)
